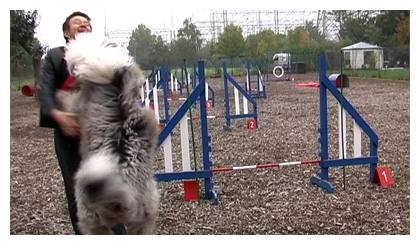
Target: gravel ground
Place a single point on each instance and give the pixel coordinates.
(258, 201)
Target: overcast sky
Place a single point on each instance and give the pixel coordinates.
(119, 14)
(49, 31)
(127, 15)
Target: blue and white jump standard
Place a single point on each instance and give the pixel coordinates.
(359, 122)
(197, 94)
(246, 98)
(260, 91)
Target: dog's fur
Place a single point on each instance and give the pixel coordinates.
(115, 182)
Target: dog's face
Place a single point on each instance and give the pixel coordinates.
(94, 60)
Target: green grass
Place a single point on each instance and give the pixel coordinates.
(15, 85)
(394, 75)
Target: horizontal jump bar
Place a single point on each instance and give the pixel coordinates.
(241, 116)
(208, 173)
(272, 165)
(209, 117)
(169, 176)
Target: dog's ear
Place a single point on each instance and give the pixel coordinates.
(138, 120)
(129, 79)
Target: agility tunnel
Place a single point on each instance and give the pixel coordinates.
(28, 90)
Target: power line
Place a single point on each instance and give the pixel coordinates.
(211, 23)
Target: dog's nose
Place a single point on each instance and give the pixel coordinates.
(94, 188)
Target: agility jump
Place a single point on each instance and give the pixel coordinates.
(165, 87)
(324, 162)
(180, 116)
(246, 98)
(360, 124)
(260, 91)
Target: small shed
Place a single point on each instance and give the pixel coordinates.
(363, 56)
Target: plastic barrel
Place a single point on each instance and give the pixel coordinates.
(337, 78)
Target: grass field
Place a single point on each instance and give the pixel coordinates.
(388, 74)
(16, 85)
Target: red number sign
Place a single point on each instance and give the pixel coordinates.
(383, 177)
(190, 190)
(208, 104)
(252, 124)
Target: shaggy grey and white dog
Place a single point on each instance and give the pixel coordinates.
(115, 183)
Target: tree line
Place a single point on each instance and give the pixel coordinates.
(384, 28)
(25, 48)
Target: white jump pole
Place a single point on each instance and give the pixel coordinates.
(245, 105)
(260, 82)
(237, 102)
(172, 82)
(156, 102)
(167, 152)
(247, 82)
(206, 91)
(145, 94)
(176, 83)
(357, 134)
(237, 108)
(142, 92)
(342, 139)
(185, 146)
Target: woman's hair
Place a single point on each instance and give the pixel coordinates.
(66, 24)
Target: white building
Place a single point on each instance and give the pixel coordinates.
(363, 55)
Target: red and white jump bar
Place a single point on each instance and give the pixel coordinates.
(265, 166)
(209, 117)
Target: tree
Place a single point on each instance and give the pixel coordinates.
(209, 52)
(251, 46)
(403, 29)
(258, 45)
(37, 50)
(394, 27)
(141, 46)
(184, 50)
(189, 42)
(22, 27)
(16, 55)
(22, 31)
(314, 33)
(357, 25)
(160, 52)
(231, 43)
(267, 42)
(298, 36)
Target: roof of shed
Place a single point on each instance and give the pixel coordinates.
(361, 45)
